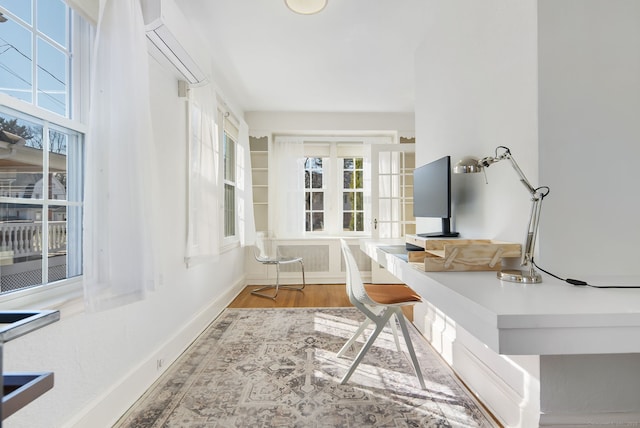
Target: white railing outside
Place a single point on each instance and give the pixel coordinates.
(25, 239)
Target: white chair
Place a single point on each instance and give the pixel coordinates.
(267, 253)
(379, 302)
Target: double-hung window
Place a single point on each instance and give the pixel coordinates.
(44, 47)
(353, 194)
(314, 194)
(351, 178)
(229, 141)
(334, 194)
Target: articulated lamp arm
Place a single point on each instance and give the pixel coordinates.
(537, 195)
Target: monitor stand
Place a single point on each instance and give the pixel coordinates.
(446, 231)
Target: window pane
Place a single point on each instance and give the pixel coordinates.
(20, 246)
(318, 221)
(359, 163)
(229, 210)
(58, 145)
(348, 163)
(384, 163)
(307, 180)
(21, 170)
(52, 19)
(29, 229)
(347, 201)
(229, 158)
(359, 182)
(307, 201)
(20, 8)
(348, 222)
(307, 222)
(348, 180)
(317, 201)
(52, 81)
(16, 61)
(316, 179)
(359, 201)
(360, 222)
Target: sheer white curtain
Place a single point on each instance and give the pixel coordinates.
(203, 214)
(118, 213)
(245, 189)
(289, 194)
(367, 184)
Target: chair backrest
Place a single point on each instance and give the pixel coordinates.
(261, 250)
(355, 287)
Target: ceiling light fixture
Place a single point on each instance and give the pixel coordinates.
(306, 7)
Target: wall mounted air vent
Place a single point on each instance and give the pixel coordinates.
(168, 30)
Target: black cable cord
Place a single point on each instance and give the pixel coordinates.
(580, 283)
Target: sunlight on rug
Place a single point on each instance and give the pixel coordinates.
(278, 368)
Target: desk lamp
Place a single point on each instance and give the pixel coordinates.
(473, 165)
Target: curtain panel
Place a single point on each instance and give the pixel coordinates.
(289, 197)
(203, 213)
(119, 215)
(245, 189)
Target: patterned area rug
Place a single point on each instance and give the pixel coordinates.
(278, 368)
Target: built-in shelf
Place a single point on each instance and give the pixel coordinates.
(20, 389)
(260, 180)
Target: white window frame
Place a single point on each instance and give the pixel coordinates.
(53, 295)
(355, 191)
(231, 128)
(333, 150)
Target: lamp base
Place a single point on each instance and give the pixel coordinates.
(522, 277)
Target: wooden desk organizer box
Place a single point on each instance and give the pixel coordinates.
(456, 255)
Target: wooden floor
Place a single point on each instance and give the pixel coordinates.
(313, 296)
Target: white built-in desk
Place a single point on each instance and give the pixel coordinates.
(588, 339)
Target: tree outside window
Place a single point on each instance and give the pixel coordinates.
(353, 195)
(314, 195)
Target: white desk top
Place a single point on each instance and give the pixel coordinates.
(536, 319)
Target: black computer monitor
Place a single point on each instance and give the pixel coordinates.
(432, 195)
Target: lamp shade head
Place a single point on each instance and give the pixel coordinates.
(306, 7)
(467, 165)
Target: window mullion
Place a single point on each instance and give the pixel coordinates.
(46, 143)
(333, 191)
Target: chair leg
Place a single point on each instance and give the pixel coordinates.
(394, 329)
(355, 336)
(412, 352)
(380, 324)
(361, 330)
(293, 287)
(277, 285)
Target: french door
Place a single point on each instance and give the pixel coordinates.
(392, 168)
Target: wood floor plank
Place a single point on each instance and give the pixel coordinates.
(313, 296)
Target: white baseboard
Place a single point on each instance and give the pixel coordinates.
(106, 409)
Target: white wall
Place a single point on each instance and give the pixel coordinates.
(476, 90)
(575, 126)
(104, 361)
(590, 136)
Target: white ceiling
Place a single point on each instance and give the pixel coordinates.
(354, 56)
